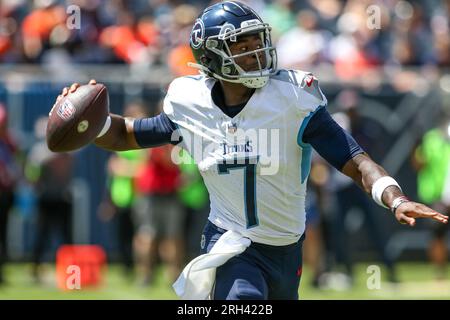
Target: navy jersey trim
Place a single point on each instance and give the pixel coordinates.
(307, 149)
(329, 139)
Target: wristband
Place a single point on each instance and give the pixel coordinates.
(105, 127)
(397, 202)
(379, 186)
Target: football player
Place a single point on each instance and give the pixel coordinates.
(228, 118)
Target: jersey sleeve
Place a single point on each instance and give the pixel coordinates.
(180, 99)
(329, 139)
(300, 89)
(168, 105)
(309, 85)
(155, 131)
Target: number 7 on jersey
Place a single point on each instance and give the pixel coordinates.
(249, 166)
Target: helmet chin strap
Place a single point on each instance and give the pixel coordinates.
(252, 83)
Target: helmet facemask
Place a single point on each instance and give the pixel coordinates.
(231, 71)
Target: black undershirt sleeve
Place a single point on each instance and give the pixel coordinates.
(156, 131)
(330, 140)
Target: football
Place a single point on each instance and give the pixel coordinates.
(78, 118)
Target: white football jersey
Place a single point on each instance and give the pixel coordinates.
(254, 165)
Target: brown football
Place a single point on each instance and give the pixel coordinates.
(78, 118)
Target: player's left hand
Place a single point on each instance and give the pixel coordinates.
(407, 212)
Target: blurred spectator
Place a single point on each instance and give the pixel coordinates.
(327, 12)
(132, 40)
(432, 161)
(180, 54)
(349, 196)
(83, 43)
(314, 248)
(51, 174)
(350, 50)
(412, 45)
(279, 14)
(38, 26)
(440, 25)
(9, 175)
(12, 13)
(195, 200)
(160, 216)
(122, 171)
(302, 46)
(442, 49)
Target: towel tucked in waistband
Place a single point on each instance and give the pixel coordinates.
(197, 278)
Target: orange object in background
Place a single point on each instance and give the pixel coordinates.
(40, 22)
(178, 59)
(79, 266)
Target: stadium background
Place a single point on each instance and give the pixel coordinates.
(399, 72)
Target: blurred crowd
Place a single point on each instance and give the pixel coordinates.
(354, 35)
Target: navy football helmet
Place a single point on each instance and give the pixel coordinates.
(218, 26)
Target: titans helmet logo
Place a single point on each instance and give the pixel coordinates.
(197, 34)
(227, 32)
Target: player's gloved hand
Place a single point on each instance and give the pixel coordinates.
(407, 212)
(72, 89)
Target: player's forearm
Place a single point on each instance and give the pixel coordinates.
(365, 172)
(120, 136)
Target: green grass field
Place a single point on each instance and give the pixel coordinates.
(416, 282)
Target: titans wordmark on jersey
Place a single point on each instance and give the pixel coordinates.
(254, 165)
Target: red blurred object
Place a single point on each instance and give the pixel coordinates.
(3, 115)
(124, 41)
(354, 65)
(5, 44)
(160, 175)
(148, 33)
(79, 266)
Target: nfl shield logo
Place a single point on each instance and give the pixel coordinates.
(232, 128)
(66, 111)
